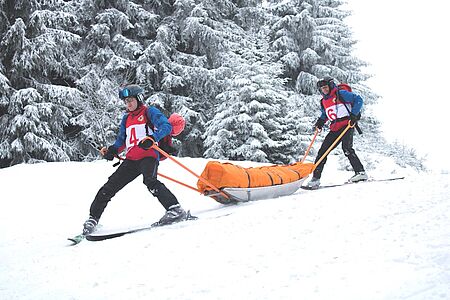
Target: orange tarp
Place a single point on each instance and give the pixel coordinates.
(224, 175)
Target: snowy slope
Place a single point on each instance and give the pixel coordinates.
(386, 240)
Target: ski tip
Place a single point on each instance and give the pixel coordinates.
(76, 239)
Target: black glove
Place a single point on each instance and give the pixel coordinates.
(354, 119)
(147, 142)
(319, 123)
(110, 153)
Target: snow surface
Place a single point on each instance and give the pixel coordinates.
(378, 240)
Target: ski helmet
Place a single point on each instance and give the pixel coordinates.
(132, 90)
(326, 81)
(178, 123)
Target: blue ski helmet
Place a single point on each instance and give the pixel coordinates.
(132, 90)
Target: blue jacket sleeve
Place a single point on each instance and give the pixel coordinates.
(160, 122)
(323, 115)
(354, 99)
(120, 140)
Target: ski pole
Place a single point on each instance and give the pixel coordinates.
(310, 145)
(334, 144)
(190, 171)
(116, 155)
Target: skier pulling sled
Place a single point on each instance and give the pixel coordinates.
(342, 108)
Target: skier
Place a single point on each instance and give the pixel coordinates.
(140, 128)
(338, 106)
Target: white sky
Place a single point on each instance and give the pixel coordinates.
(406, 43)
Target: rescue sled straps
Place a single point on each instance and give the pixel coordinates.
(310, 145)
(179, 182)
(163, 176)
(190, 171)
(333, 145)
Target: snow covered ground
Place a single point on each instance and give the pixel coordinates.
(378, 240)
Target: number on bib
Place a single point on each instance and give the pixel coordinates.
(331, 114)
(133, 139)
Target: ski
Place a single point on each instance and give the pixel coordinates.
(347, 183)
(77, 239)
(93, 237)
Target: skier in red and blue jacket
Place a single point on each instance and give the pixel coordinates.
(139, 129)
(339, 107)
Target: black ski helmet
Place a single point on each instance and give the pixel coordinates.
(326, 81)
(132, 90)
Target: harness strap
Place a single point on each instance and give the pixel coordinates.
(338, 98)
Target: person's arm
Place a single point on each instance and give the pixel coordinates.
(354, 99)
(120, 139)
(160, 122)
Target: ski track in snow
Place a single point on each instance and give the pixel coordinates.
(378, 240)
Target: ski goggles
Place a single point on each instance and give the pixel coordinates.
(124, 93)
(128, 100)
(322, 83)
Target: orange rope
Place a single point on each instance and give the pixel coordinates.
(190, 171)
(310, 145)
(332, 145)
(187, 169)
(179, 182)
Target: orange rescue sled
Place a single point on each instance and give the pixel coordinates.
(246, 184)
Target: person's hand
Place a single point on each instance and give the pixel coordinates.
(319, 124)
(354, 119)
(147, 142)
(103, 151)
(108, 153)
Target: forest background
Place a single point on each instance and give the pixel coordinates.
(242, 73)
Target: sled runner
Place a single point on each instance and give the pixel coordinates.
(256, 193)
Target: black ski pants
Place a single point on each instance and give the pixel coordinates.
(347, 146)
(127, 172)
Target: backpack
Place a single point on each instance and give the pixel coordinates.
(348, 88)
(345, 87)
(166, 143)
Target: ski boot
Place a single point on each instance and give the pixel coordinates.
(359, 176)
(174, 214)
(313, 184)
(90, 225)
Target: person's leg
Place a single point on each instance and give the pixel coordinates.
(174, 211)
(327, 142)
(125, 173)
(149, 168)
(347, 147)
(349, 152)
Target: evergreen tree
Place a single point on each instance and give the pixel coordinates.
(313, 42)
(188, 64)
(37, 57)
(30, 127)
(248, 123)
(242, 72)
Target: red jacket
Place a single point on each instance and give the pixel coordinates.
(336, 112)
(134, 128)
